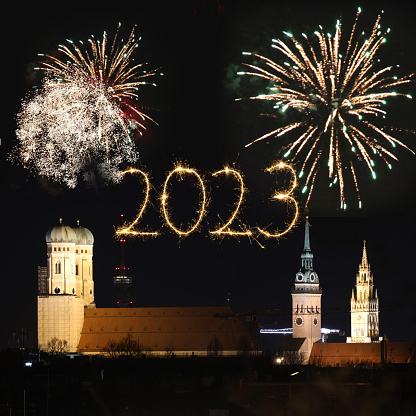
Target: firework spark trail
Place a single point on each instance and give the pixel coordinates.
(331, 94)
(85, 114)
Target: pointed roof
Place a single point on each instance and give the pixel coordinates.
(307, 274)
(307, 244)
(364, 261)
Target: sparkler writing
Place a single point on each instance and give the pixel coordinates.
(284, 196)
(225, 229)
(129, 229)
(165, 197)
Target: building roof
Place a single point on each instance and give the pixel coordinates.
(338, 354)
(186, 329)
(83, 235)
(64, 234)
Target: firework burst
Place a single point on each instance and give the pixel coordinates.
(85, 115)
(334, 96)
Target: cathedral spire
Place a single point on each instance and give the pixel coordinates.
(364, 261)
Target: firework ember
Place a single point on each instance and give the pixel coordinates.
(333, 93)
(85, 115)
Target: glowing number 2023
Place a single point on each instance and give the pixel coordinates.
(284, 196)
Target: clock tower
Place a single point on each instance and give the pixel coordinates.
(306, 301)
(364, 305)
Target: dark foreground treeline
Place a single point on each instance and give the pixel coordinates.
(193, 386)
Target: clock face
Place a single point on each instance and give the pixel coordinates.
(315, 321)
(359, 317)
(312, 277)
(299, 277)
(298, 321)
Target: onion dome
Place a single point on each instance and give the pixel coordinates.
(60, 234)
(83, 235)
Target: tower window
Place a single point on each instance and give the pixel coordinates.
(58, 267)
(54, 249)
(76, 269)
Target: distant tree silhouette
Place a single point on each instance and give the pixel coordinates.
(214, 347)
(57, 346)
(127, 346)
(170, 350)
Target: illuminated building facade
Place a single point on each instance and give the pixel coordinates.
(67, 287)
(306, 301)
(364, 305)
(67, 310)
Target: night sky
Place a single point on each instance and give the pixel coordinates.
(198, 45)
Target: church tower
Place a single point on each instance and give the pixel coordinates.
(364, 305)
(67, 286)
(306, 301)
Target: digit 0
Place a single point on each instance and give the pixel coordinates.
(179, 170)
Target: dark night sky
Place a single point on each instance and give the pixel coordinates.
(198, 45)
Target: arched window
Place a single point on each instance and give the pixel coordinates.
(58, 267)
(76, 269)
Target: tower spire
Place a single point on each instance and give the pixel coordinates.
(307, 255)
(364, 261)
(307, 244)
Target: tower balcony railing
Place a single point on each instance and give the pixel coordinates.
(303, 289)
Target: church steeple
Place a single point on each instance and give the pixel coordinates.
(307, 256)
(307, 244)
(306, 300)
(306, 273)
